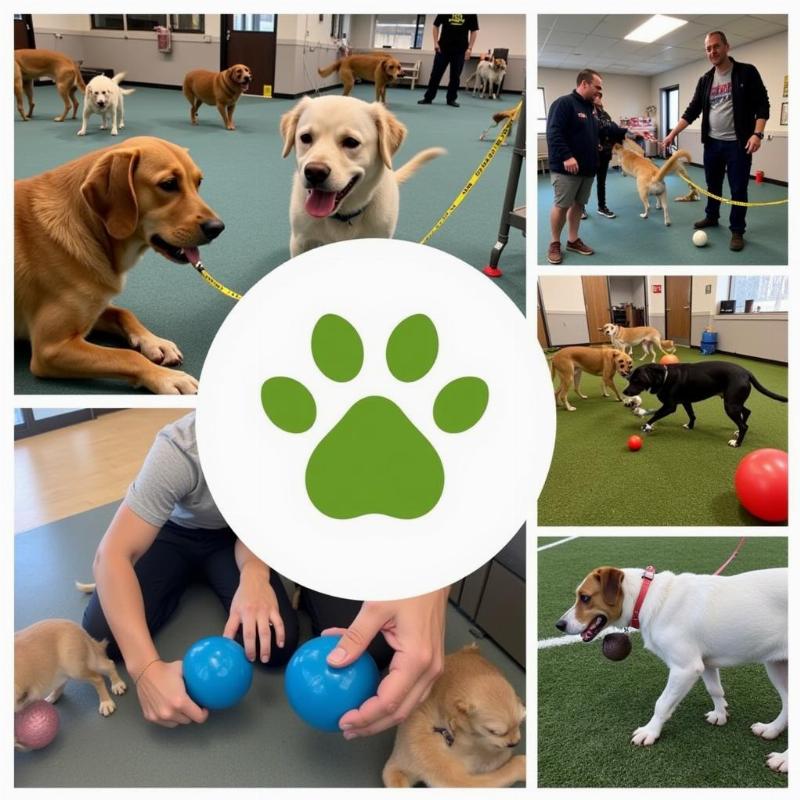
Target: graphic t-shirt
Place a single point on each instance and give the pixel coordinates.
(720, 115)
(454, 30)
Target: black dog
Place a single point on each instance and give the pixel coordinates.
(689, 383)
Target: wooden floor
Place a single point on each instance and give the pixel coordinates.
(74, 469)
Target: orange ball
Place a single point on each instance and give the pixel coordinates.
(635, 443)
(669, 359)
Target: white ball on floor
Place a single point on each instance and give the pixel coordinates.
(700, 238)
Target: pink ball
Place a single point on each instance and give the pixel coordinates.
(36, 725)
(762, 484)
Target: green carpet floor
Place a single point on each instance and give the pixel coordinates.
(679, 477)
(628, 239)
(248, 184)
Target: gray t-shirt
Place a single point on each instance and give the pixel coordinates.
(170, 485)
(720, 114)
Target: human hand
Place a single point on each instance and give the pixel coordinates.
(255, 607)
(468, 54)
(753, 144)
(414, 629)
(668, 139)
(163, 698)
(571, 166)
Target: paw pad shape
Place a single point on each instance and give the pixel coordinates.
(374, 460)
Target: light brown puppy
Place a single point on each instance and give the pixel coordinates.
(378, 67)
(49, 653)
(220, 89)
(571, 362)
(464, 732)
(32, 64)
(649, 177)
(668, 345)
(625, 338)
(78, 229)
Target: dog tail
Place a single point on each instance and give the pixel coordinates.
(672, 163)
(79, 78)
(767, 392)
(118, 78)
(325, 71)
(509, 113)
(402, 174)
(86, 588)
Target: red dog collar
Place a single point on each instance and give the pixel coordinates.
(647, 579)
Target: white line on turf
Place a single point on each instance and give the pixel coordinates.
(555, 544)
(560, 641)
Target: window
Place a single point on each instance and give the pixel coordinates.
(759, 293)
(541, 111)
(262, 23)
(108, 22)
(188, 23)
(179, 23)
(144, 22)
(399, 31)
(337, 26)
(31, 421)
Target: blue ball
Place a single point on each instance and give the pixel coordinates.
(320, 694)
(216, 672)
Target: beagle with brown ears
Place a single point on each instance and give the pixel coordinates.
(695, 624)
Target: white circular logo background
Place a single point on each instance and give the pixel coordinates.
(256, 471)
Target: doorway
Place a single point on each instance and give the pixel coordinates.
(670, 112)
(598, 306)
(678, 308)
(251, 39)
(23, 32)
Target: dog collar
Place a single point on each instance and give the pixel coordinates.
(647, 579)
(347, 217)
(446, 735)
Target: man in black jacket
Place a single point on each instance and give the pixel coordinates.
(735, 107)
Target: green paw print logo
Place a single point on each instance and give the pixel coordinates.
(374, 460)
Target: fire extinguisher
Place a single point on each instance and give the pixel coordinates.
(164, 39)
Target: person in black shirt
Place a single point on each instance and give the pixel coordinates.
(607, 139)
(454, 37)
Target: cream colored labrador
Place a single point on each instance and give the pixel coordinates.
(105, 96)
(344, 186)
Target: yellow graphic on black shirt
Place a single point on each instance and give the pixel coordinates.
(456, 19)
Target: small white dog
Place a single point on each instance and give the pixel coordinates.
(104, 96)
(489, 75)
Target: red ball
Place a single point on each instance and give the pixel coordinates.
(36, 725)
(669, 359)
(762, 484)
(635, 443)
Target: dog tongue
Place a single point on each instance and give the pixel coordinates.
(192, 254)
(319, 203)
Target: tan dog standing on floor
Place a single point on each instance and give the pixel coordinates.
(377, 67)
(29, 65)
(49, 653)
(626, 338)
(464, 732)
(78, 229)
(571, 362)
(220, 89)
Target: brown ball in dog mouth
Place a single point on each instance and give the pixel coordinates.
(616, 646)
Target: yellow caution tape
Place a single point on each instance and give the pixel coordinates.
(210, 279)
(726, 200)
(475, 177)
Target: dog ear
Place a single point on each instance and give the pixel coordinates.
(391, 132)
(611, 584)
(108, 190)
(289, 125)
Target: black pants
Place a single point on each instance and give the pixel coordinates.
(720, 157)
(441, 60)
(180, 556)
(603, 160)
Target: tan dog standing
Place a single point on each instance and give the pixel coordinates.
(464, 732)
(78, 229)
(377, 67)
(571, 362)
(220, 89)
(626, 338)
(488, 77)
(49, 653)
(29, 65)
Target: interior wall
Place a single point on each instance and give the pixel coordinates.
(564, 309)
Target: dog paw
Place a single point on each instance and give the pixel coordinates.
(644, 737)
(766, 730)
(733, 442)
(81, 133)
(571, 408)
(119, 688)
(157, 350)
(779, 762)
(114, 133)
(643, 216)
(716, 717)
(647, 427)
(519, 764)
(107, 707)
(168, 381)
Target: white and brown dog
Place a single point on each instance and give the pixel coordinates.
(488, 76)
(695, 624)
(625, 339)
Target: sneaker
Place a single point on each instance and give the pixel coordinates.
(424, 102)
(606, 212)
(454, 103)
(706, 222)
(579, 247)
(584, 215)
(737, 242)
(554, 253)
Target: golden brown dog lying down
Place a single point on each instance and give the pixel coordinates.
(464, 732)
(32, 64)
(571, 362)
(78, 229)
(377, 67)
(220, 89)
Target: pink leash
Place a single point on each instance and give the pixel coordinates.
(731, 557)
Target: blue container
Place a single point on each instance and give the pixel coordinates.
(708, 343)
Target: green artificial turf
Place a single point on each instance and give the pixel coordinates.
(588, 706)
(679, 477)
